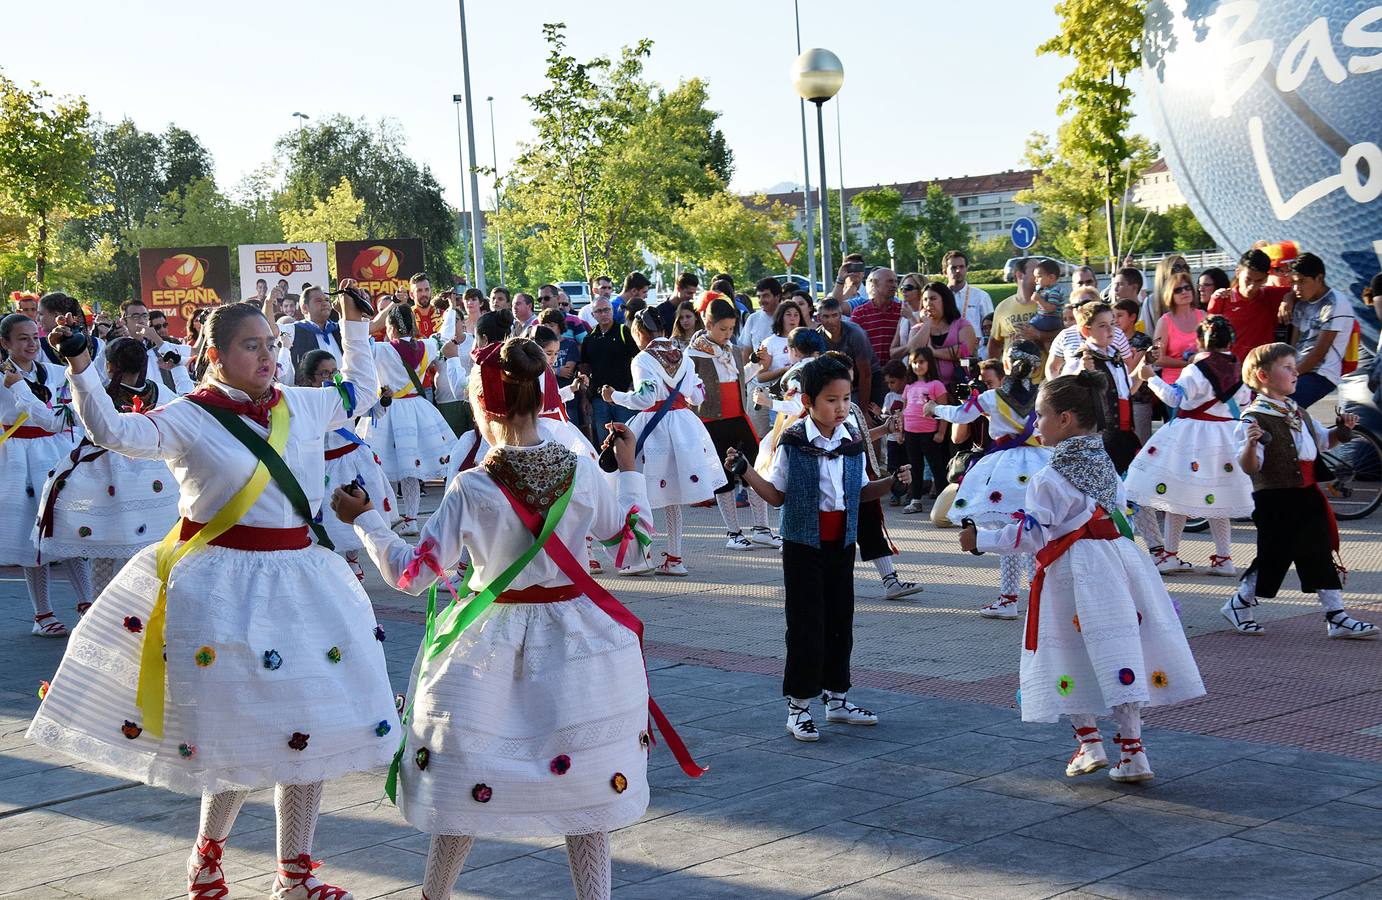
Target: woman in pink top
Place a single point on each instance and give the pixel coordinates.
(1175, 330)
(941, 328)
(924, 436)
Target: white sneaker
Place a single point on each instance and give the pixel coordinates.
(595, 567)
(1090, 756)
(764, 537)
(1221, 566)
(1168, 563)
(671, 565)
(838, 709)
(1133, 767)
(800, 724)
(1005, 607)
(737, 541)
(896, 589)
(1345, 627)
(1239, 615)
(913, 508)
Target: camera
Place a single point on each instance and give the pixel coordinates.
(171, 357)
(967, 381)
(1140, 341)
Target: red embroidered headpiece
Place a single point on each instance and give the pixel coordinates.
(494, 398)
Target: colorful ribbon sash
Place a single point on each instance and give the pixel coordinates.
(23, 417)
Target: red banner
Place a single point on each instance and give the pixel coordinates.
(177, 281)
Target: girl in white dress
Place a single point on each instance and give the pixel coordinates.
(1190, 465)
(995, 487)
(348, 459)
(410, 436)
(234, 655)
(529, 716)
(36, 432)
(103, 506)
(676, 456)
(1102, 636)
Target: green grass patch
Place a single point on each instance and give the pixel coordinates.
(998, 292)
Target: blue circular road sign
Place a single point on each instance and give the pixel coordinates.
(1024, 232)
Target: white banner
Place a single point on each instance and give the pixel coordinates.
(265, 266)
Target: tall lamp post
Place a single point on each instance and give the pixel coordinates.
(817, 76)
(477, 228)
(301, 117)
(458, 99)
(494, 154)
(807, 228)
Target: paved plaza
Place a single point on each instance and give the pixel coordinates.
(1270, 786)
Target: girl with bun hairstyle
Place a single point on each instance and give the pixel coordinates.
(676, 454)
(1190, 465)
(527, 712)
(1102, 636)
(102, 506)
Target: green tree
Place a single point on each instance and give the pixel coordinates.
(44, 155)
(730, 236)
(197, 215)
(1096, 95)
(1188, 233)
(881, 211)
(939, 229)
(337, 218)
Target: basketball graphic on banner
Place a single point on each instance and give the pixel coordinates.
(379, 265)
(1268, 116)
(376, 263)
(181, 271)
(178, 281)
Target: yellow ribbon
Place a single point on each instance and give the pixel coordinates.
(153, 664)
(410, 391)
(1004, 410)
(23, 417)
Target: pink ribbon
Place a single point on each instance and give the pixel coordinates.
(625, 536)
(423, 555)
(1025, 522)
(973, 401)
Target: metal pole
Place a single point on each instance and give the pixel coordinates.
(460, 152)
(479, 229)
(806, 183)
(494, 153)
(840, 152)
(825, 194)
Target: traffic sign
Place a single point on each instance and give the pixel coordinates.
(1024, 232)
(788, 251)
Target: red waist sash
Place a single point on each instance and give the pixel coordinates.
(1202, 414)
(1124, 414)
(1099, 528)
(1307, 479)
(337, 454)
(538, 594)
(832, 525)
(27, 432)
(250, 537)
(678, 403)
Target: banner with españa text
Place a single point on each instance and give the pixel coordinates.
(178, 281)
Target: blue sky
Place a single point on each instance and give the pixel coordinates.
(932, 88)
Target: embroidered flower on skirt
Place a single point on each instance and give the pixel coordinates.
(379, 632)
(1159, 679)
(298, 741)
(272, 659)
(619, 783)
(205, 656)
(1126, 676)
(383, 727)
(481, 793)
(42, 689)
(134, 624)
(334, 654)
(422, 757)
(560, 765)
(1064, 685)
(131, 730)
(187, 751)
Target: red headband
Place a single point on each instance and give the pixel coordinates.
(494, 399)
(551, 394)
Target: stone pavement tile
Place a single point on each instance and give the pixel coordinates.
(486, 851)
(701, 742)
(1174, 754)
(526, 877)
(763, 722)
(1041, 732)
(842, 853)
(888, 777)
(42, 892)
(1230, 867)
(1371, 797)
(25, 758)
(1340, 829)
(368, 873)
(971, 753)
(883, 889)
(1126, 830)
(666, 802)
(1011, 867)
(1247, 793)
(1368, 890)
(839, 743)
(774, 812)
(721, 879)
(54, 784)
(1320, 762)
(78, 855)
(650, 849)
(959, 814)
(1046, 781)
(147, 875)
(936, 719)
(38, 826)
(736, 771)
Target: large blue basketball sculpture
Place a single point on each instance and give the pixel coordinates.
(1269, 113)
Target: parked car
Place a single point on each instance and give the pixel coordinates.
(578, 291)
(802, 282)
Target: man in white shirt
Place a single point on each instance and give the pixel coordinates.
(974, 303)
(603, 288)
(136, 322)
(173, 373)
(315, 332)
(1323, 322)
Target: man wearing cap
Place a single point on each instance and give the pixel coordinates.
(1252, 306)
(1323, 323)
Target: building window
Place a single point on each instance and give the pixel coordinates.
(967, 201)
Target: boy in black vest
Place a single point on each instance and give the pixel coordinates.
(817, 477)
(1279, 444)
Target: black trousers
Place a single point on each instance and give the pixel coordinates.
(924, 448)
(820, 617)
(873, 542)
(733, 432)
(1293, 527)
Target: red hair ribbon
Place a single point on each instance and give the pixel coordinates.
(493, 396)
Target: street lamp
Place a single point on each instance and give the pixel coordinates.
(301, 117)
(494, 153)
(458, 99)
(808, 229)
(817, 76)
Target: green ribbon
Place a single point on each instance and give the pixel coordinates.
(442, 630)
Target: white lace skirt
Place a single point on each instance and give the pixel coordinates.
(411, 438)
(1191, 467)
(996, 486)
(25, 464)
(109, 508)
(678, 459)
(255, 694)
(1108, 634)
(364, 464)
(533, 722)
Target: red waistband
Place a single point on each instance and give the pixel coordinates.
(341, 451)
(1307, 472)
(248, 537)
(1124, 414)
(27, 432)
(679, 403)
(832, 525)
(1204, 416)
(539, 594)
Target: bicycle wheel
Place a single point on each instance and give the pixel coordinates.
(1356, 490)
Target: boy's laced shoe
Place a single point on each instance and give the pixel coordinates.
(1342, 626)
(205, 880)
(735, 540)
(764, 537)
(1168, 563)
(895, 588)
(1089, 756)
(672, 565)
(356, 569)
(1239, 614)
(1133, 767)
(838, 709)
(1005, 607)
(799, 722)
(295, 881)
(1221, 567)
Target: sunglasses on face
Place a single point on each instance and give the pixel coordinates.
(1180, 267)
(1181, 288)
(908, 288)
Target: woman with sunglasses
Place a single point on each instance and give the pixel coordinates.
(1176, 325)
(910, 289)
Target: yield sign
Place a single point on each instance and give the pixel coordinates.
(787, 250)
